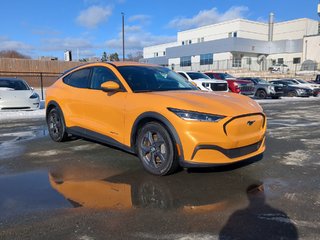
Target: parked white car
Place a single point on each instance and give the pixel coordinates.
(301, 83)
(16, 94)
(203, 82)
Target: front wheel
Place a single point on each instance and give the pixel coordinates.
(156, 149)
(56, 126)
(261, 94)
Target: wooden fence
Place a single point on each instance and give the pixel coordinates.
(35, 66)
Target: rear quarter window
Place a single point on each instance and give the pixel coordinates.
(78, 79)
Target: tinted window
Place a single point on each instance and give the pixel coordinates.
(141, 79)
(13, 84)
(79, 79)
(211, 75)
(183, 75)
(101, 75)
(197, 75)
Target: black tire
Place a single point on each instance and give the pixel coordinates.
(261, 94)
(292, 94)
(56, 126)
(275, 97)
(156, 149)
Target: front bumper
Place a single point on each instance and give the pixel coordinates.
(30, 104)
(225, 142)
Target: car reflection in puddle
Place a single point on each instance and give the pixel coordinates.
(136, 189)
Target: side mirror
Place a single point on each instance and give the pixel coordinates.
(110, 86)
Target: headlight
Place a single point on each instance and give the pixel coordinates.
(206, 85)
(271, 88)
(34, 95)
(301, 90)
(196, 116)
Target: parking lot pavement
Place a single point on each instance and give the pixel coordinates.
(84, 190)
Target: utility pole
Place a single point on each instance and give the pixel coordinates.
(123, 37)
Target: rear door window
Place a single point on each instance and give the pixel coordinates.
(78, 79)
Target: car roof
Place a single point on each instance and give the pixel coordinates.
(12, 79)
(115, 64)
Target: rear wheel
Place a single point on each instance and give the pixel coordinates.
(261, 94)
(156, 149)
(292, 94)
(56, 126)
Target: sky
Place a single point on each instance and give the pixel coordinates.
(90, 27)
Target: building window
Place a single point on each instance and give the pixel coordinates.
(182, 42)
(235, 34)
(202, 39)
(280, 60)
(190, 41)
(230, 34)
(155, 54)
(236, 62)
(206, 59)
(198, 40)
(296, 60)
(164, 53)
(185, 61)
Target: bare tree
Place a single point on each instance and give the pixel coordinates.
(13, 54)
(135, 57)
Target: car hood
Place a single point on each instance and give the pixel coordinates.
(300, 86)
(222, 103)
(14, 94)
(204, 80)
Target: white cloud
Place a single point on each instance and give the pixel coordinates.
(9, 44)
(93, 16)
(206, 17)
(136, 38)
(61, 44)
(144, 19)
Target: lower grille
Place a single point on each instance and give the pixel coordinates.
(15, 108)
(246, 89)
(219, 86)
(230, 153)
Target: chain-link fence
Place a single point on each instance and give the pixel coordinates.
(251, 64)
(37, 80)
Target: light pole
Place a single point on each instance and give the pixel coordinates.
(122, 36)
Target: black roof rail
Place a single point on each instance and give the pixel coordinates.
(69, 70)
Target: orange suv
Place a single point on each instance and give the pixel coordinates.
(155, 113)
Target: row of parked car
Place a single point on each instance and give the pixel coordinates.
(252, 86)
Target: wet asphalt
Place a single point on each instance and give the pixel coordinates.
(85, 190)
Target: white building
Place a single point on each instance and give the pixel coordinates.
(239, 43)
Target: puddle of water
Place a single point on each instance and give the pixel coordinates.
(138, 190)
(28, 193)
(23, 135)
(10, 142)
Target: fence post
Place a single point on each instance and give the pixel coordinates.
(41, 85)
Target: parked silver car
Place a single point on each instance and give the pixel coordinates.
(16, 94)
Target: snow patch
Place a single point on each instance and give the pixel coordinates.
(296, 158)
(189, 236)
(84, 147)
(10, 115)
(48, 153)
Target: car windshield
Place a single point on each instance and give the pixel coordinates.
(292, 82)
(227, 75)
(261, 81)
(302, 81)
(197, 75)
(13, 84)
(149, 79)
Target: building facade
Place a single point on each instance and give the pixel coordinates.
(238, 43)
